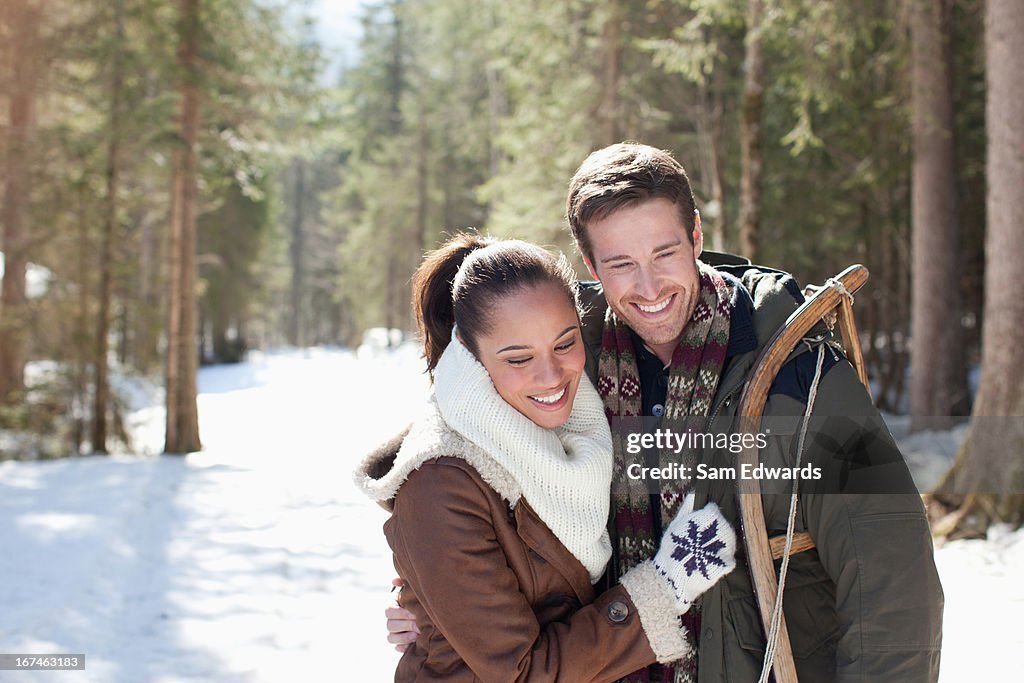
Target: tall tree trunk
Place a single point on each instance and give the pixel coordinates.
(182, 434)
(448, 191)
(396, 69)
(146, 329)
(609, 108)
(82, 335)
(938, 378)
(750, 133)
(102, 393)
(497, 111)
(296, 326)
(23, 25)
(497, 106)
(709, 129)
(418, 242)
(990, 470)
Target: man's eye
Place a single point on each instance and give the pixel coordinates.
(665, 254)
(620, 266)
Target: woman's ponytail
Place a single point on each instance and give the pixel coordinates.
(462, 282)
(432, 288)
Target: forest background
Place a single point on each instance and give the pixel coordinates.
(185, 181)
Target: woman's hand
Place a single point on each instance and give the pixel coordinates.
(402, 629)
(697, 550)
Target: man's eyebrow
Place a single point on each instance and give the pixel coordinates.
(667, 246)
(658, 249)
(521, 347)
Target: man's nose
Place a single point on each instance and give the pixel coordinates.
(647, 285)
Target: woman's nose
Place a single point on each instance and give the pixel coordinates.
(548, 371)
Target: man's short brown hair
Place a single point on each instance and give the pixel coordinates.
(621, 176)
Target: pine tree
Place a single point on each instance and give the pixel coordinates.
(22, 23)
(110, 235)
(987, 481)
(938, 381)
(182, 430)
(750, 132)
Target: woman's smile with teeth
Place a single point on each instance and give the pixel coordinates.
(553, 398)
(656, 307)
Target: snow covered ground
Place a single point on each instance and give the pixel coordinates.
(257, 560)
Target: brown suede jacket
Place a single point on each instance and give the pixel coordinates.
(496, 595)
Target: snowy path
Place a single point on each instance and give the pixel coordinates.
(257, 560)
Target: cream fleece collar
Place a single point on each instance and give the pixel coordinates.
(564, 473)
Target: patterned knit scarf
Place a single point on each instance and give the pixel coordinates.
(693, 377)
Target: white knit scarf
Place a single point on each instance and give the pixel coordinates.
(564, 473)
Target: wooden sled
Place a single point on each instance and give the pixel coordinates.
(833, 304)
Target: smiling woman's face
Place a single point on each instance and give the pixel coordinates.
(534, 353)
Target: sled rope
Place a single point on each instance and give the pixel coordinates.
(838, 284)
(773, 632)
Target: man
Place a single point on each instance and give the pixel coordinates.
(672, 337)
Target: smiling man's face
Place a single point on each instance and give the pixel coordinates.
(647, 265)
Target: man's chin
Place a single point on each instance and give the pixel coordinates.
(656, 335)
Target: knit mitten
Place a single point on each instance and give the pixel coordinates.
(697, 550)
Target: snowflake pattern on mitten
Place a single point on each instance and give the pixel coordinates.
(702, 548)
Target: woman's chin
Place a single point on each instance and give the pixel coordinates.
(551, 417)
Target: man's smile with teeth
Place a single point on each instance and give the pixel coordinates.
(553, 398)
(656, 307)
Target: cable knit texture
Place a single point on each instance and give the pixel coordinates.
(564, 473)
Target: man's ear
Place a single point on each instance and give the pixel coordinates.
(590, 268)
(698, 235)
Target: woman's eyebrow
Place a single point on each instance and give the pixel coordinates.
(568, 329)
(522, 347)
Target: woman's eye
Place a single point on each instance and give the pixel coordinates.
(566, 346)
(517, 361)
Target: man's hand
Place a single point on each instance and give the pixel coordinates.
(402, 629)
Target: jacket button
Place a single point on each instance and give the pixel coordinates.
(618, 611)
(708, 633)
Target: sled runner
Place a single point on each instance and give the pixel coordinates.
(832, 304)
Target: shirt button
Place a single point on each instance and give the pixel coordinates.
(662, 380)
(658, 410)
(617, 612)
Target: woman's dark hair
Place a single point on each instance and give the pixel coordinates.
(459, 283)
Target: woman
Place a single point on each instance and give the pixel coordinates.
(500, 491)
